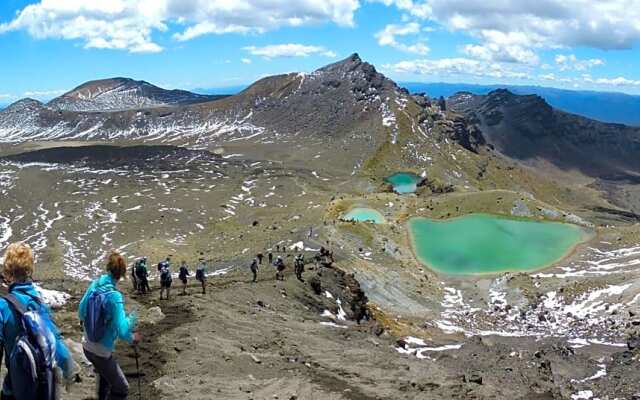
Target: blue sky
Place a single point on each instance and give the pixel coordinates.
(50, 46)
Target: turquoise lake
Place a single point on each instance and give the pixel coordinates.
(404, 182)
(363, 214)
(484, 244)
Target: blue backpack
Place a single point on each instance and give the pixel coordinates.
(33, 359)
(98, 314)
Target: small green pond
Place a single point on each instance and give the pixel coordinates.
(404, 182)
(363, 214)
(483, 243)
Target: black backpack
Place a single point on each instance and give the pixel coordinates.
(200, 274)
(32, 361)
(165, 274)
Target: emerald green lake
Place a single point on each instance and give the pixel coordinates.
(404, 182)
(362, 214)
(482, 243)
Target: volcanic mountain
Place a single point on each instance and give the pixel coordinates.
(348, 106)
(117, 94)
(527, 128)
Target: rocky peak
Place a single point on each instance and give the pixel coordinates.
(95, 88)
(343, 66)
(115, 94)
(23, 105)
(504, 97)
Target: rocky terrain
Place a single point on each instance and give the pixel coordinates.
(278, 165)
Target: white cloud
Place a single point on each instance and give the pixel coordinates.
(245, 60)
(619, 81)
(514, 30)
(610, 24)
(455, 67)
(497, 46)
(44, 93)
(388, 37)
(420, 9)
(571, 62)
(117, 24)
(288, 50)
(551, 77)
(130, 24)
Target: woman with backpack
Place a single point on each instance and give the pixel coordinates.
(23, 316)
(104, 319)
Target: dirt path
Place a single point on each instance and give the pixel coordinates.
(268, 341)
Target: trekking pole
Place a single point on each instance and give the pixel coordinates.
(137, 355)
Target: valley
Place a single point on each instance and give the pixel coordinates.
(283, 163)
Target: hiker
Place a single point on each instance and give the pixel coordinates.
(254, 270)
(277, 248)
(299, 266)
(103, 317)
(134, 279)
(323, 251)
(143, 276)
(270, 255)
(260, 257)
(182, 275)
(165, 279)
(201, 275)
(279, 264)
(23, 318)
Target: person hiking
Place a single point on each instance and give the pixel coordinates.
(143, 276)
(299, 266)
(102, 315)
(28, 334)
(165, 279)
(134, 278)
(270, 256)
(254, 270)
(201, 274)
(182, 275)
(279, 264)
(260, 256)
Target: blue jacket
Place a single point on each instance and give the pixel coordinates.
(10, 325)
(121, 325)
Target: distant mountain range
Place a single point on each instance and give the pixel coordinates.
(602, 106)
(221, 91)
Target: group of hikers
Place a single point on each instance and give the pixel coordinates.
(34, 349)
(32, 345)
(140, 276)
(323, 258)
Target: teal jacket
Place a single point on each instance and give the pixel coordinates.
(10, 326)
(121, 325)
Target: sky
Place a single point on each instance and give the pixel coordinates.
(48, 47)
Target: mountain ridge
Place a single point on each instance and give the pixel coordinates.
(528, 128)
(611, 107)
(118, 94)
